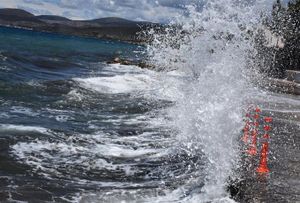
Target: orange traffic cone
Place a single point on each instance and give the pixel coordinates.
(253, 146)
(268, 119)
(258, 110)
(246, 132)
(267, 128)
(263, 165)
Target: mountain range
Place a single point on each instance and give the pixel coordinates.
(108, 28)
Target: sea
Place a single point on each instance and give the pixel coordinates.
(74, 128)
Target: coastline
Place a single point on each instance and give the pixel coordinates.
(70, 35)
(110, 28)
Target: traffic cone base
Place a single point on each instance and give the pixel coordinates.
(262, 170)
(263, 166)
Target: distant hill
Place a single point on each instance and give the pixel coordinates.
(113, 20)
(15, 13)
(109, 28)
(52, 17)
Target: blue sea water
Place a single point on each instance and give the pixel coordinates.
(75, 129)
(48, 56)
(70, 123)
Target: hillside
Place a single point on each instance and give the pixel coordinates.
(15, 13)
(109, 28)
(52, 18)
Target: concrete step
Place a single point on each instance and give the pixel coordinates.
(293, 75)
(284, 85)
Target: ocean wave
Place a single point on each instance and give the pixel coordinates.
(134, 81)
(23, 128)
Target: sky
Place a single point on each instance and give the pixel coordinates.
(139, 10)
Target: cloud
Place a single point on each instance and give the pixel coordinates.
(147, 10)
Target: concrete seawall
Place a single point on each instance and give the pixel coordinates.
(290, 85)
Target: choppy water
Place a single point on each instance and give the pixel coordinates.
(74, 129)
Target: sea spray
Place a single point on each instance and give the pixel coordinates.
(110, 133)
(214, 49)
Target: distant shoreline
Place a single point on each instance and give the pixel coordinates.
(110, 28)
(69, 35)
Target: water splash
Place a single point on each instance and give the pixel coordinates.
(213, 48)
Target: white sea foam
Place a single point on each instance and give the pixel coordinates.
(215, 58)
(4, 115)
(117, 84)
(131, 79)
(5, 68)
(120, 79)
(75, 95)
(23, 128)
(62, 118)
(203, 73)
(2, 58)
(95, 152)
(23, 110)
(113, 150)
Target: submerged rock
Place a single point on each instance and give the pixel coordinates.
(140, 64)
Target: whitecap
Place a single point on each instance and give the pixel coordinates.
(117, 84)
(23, 128)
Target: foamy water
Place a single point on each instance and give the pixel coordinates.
(135, 81)
(125, 134)
(215, 55)
(22, 128)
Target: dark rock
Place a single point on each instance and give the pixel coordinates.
(118, 60)
(145, 65)
(236, 189)
(121, 61)
(126, 62)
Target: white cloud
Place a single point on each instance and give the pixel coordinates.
(148, 10)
